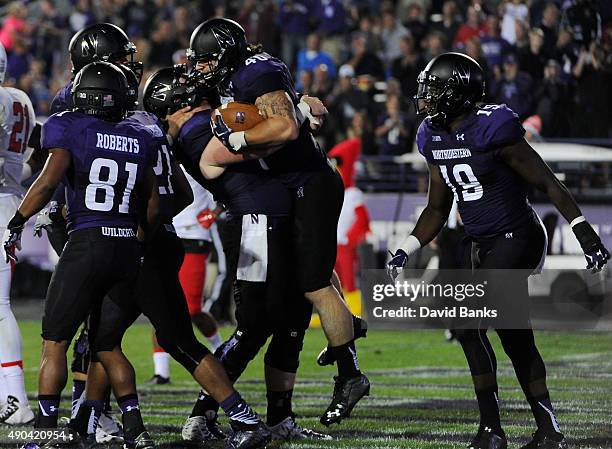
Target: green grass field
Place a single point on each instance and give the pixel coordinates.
(421, 392)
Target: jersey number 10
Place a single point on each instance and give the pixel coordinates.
(105, 202)
(471, 190)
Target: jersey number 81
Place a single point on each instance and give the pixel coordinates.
(105, 202)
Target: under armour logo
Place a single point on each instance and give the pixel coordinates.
(509, 235)
(436, 139)
(240, 117)
(300, 192)
(460, 136)
(335, 413)
(129, 408)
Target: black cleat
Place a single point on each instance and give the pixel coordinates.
(248, 437)
(158, 380)
(347, 393)
(486, 438)
(142, 441)
(543, 440)
(213, 426)
(360, 330)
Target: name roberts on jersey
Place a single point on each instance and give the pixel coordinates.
(117, 143)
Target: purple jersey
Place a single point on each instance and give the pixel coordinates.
(164, 159)
(62, 100)
(243, 188)
(261, 74)
(109, 161)
(491, 197)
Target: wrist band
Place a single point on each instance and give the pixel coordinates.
(577, 220)
(237, 140)
(411, 245)
(304, 110)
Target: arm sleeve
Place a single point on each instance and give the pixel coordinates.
(54, 134)
(269, 82)
(421, 138)
(194, 140)
(504, 127)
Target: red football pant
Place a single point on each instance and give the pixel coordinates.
(192, 277)
(346, 260)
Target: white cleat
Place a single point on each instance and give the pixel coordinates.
(196, 430)
(15, 414)
(288, 430)
(109, 430)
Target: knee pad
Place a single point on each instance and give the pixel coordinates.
(183, 346)
(284, 350)
(236, 352)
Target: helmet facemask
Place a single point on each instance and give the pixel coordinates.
(430, 97)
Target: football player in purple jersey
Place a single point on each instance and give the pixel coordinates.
(222, 58)
(96, 42)
(477, 154)
(267, 304)
(111, 189)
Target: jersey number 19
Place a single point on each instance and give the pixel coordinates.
(469, 188)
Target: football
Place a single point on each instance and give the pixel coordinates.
(239, 116)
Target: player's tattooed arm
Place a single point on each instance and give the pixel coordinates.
(41, 191)
(183, 195)
(281, 124)
(524, 160)
(435, 214)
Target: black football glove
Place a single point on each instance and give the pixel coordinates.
(595, 253)
(397, 263)
(13, 241)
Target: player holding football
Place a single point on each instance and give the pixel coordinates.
(17, 121)
(489, 171)
(222, 58)
(256, 232)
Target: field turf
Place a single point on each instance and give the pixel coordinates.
(421, 391)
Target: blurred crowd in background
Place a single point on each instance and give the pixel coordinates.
(550, 61)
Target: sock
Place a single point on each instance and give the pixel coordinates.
(204, 404)
(346, 358)
(13, 377)
(544, 414)
(214, 341)
(78, 387)
(161, 362)
(131, 417)
(10, 350)
(48, 411)
(239, 412)
(279, 406)
(488, 405)
(86, 420)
